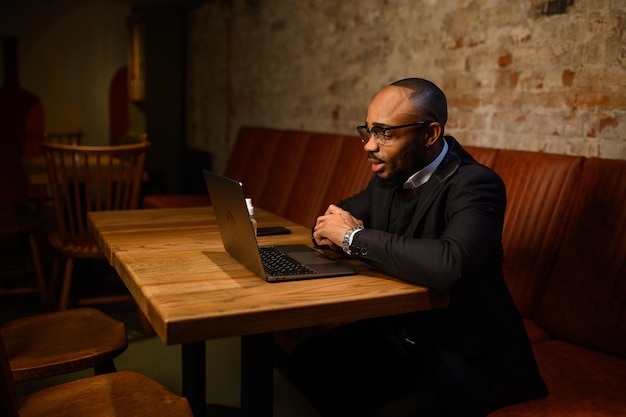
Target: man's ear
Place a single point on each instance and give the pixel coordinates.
(433, 132)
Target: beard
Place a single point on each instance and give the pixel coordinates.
(398, 177)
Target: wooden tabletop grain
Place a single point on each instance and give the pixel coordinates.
(175, 266)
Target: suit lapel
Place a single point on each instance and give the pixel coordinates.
(435, 184)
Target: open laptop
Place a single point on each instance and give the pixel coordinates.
(233, 220)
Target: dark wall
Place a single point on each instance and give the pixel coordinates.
(164, 95)
(173, 167)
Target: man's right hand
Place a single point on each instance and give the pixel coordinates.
(333, 225)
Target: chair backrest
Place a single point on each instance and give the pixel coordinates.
(64, 138)
(92, 178)
(8, 393)
(32, 141)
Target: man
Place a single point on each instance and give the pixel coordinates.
(431, 216)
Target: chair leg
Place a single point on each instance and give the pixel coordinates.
(105, 367)
(53, 284)
(67, 284)
(34, 250)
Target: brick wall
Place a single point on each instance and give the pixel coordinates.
(545, 75)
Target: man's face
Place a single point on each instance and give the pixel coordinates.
(404, 150)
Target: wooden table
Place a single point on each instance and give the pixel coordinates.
(175, 266)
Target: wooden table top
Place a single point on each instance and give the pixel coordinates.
(175, 266)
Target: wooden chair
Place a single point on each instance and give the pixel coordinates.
(116, 394)
(84, 179)
(32, 141)
(65, 138)
(61, 342)
(37, 191)
(22, 272)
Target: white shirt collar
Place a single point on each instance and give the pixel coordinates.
(424, 174)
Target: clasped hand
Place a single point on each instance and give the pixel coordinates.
(333, 225)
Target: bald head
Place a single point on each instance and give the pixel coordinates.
(428, 97)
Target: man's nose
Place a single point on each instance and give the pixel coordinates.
(371, 145)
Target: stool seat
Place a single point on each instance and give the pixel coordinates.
(120, 394)
(57, 343)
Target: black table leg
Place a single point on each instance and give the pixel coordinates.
(257, 375)
(194, 377)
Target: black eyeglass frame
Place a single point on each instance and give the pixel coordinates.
(383, 130)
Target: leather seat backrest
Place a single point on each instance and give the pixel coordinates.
(585, 299)
(540, 188)
(485, 156)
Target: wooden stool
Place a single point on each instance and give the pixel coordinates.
(116, 394)
(58, 343)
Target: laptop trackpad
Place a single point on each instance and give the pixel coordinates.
(310, 257)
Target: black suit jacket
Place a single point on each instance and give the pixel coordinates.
(477, 347)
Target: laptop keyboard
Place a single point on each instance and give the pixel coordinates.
(276, 262)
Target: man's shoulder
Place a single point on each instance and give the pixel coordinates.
(455, 159)
(457, 150)
(459, 163)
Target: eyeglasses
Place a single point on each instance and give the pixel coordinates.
(380, 133)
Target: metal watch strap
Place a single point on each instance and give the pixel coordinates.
(347, 238)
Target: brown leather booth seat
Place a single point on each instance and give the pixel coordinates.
(578, 305)
(564, 239)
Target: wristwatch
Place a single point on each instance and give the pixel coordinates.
(347, 238)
